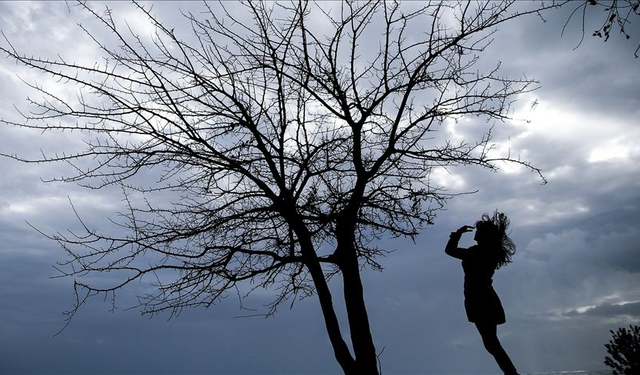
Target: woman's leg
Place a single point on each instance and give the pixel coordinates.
(489, 334)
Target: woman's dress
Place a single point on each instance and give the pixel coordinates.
(481, 302)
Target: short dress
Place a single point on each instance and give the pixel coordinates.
(481, 302)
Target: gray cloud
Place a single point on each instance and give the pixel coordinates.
(608, 310)
(577, 236)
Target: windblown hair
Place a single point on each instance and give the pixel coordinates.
(494, 229)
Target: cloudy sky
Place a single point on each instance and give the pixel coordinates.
(575, 276)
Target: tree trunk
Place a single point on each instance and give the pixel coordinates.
(340, 348)
(365, 362)
(361, 338)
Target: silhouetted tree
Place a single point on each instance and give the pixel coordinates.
(291, 135)
(624, 349)
(619, 15)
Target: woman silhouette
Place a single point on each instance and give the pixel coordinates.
(479, 262)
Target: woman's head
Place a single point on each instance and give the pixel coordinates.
(491, 232)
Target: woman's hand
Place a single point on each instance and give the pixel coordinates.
(452, 245)
(464, 229)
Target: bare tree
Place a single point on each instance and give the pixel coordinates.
(289, 148)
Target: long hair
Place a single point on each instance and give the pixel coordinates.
(494, 231)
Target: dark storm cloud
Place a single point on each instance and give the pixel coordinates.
(577, 236)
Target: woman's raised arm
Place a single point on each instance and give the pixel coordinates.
(452, 248)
